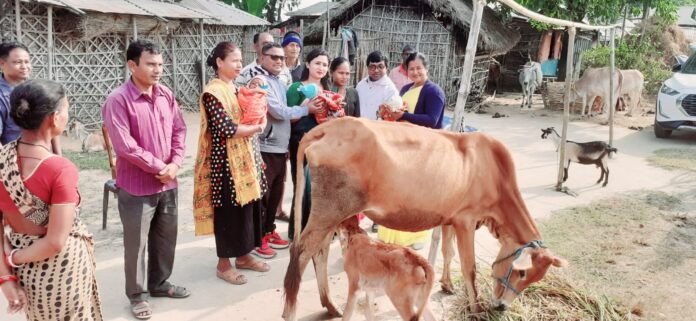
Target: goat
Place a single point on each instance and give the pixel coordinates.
(595, 152)
(405, 276)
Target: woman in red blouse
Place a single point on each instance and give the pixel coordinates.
(48, 268)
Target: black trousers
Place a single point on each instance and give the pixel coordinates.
(276, 168)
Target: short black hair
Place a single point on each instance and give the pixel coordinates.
(7, 47)
(414, 56)
(377, 56)
(268, 47)
(136, 49)
(407, 48)
(256, 37)
(33, 100)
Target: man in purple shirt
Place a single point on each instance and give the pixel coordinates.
(148, 132)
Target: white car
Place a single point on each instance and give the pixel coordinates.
(676, 101)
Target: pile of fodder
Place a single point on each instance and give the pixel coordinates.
(551, 299)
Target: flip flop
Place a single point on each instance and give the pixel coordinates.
(231, 276)
(255, 265)
(174, 292)
(141, 310)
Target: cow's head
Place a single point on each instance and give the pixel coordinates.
(515, 272)
(546, 132)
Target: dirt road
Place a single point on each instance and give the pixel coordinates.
(261, 298)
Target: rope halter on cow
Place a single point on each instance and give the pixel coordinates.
(505, 281)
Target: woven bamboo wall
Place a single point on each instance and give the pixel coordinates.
(91, 69)
(389, 26)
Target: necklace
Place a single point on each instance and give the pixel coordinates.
(32, 144)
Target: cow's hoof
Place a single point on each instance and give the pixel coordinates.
(447, 288)
(333, 311)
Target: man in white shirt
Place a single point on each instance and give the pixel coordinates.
(376, 88)
(260, 40)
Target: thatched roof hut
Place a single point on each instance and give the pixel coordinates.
(437, 28)
(81, 43)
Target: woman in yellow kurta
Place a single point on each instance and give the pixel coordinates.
(425, 102)
(228, 181)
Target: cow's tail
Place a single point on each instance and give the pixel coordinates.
(306, 141)
(618, 89)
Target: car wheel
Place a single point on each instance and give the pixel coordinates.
(661, 132)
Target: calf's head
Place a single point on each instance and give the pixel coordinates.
(515, 272)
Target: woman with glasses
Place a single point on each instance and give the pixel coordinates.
(316, 72)
(425, 106)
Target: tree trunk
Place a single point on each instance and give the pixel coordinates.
(271, 7)
(623, 25)
(646, 14)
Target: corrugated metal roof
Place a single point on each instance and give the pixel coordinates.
(314, 10)
(223, 13)
(211, 11)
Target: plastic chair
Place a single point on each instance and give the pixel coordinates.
(110, 185)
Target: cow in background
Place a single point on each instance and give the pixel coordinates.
(595, 82)
(530, 78)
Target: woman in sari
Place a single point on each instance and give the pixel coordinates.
(49, 249)
(229, 180)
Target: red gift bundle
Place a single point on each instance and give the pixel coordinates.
(253, 104)
(333, 104)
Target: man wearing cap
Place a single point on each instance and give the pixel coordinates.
(292, 45)
(399, 75)
(260, 40)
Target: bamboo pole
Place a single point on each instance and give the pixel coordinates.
(135, 28)
(203, 55)
(18, 21)
(464, 88)
(175, 79)
(469, 55)
(611, 102)
(50, 42)
(559, 22)
(566, 106)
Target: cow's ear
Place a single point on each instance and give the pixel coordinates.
(524, 261)
(559, 262)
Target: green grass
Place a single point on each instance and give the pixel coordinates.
(89, 161)
(674, 158)
(610, 245)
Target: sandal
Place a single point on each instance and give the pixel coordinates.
(174, 292)
(141, 310)
(254, 265)
(232, 276)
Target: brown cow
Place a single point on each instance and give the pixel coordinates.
(405, 276)
(412, 178)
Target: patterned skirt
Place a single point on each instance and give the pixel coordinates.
(63, 287)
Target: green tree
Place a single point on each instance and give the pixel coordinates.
(601, 11)
(270, 10)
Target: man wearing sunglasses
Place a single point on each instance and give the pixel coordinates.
(275, 139)
(260, 40)
(376, 88)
